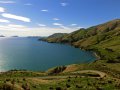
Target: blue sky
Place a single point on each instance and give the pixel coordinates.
(45, 17)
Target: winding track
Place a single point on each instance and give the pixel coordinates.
(101, 74)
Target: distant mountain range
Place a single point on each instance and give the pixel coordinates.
(104, 39)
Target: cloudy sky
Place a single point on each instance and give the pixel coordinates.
(45, 17)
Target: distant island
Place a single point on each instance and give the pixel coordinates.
(2, 36)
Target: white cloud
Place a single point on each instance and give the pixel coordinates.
(7, 2)
(61, 25)
(64, 27)
(44, 10)
(57, 24)
(11, 30)
(79, 27)
(4, 21)
(12, 16)
(73, 24)
(16, 26)
(2, 9)
(41, 25)
(64, 4)
(56, 19)
(28, 4)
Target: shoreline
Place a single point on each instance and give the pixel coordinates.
(94, 52)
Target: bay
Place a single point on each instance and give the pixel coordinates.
(31, 54)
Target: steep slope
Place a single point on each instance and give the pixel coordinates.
(104, 39)
(74, 36)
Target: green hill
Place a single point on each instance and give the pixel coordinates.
(54, 38)
(104, 39)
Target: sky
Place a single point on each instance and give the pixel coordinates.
(45, 17)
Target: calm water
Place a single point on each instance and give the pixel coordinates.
(31, 54)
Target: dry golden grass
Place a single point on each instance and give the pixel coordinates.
(71, 68)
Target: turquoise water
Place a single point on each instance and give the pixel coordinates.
(31, 54)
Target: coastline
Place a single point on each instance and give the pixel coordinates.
(94, 52)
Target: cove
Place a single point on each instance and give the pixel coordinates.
(31, 54)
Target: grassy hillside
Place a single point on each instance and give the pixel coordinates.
(54, 38)
(104, 39)
(92, 76)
